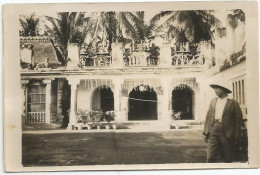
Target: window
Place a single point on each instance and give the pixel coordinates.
(239, 91)
(239, 94)
(36, 98)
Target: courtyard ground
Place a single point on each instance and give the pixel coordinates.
(106, 148)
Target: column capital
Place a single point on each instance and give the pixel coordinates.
(24, 83)
(47, 81)
(166, 81)
(117, 80)
(73, 80)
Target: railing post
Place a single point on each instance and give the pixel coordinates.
(73, 55)
(165, 55)
(117, 54)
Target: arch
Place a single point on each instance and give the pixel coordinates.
(103, 99)
(183, 101)
(142, 103)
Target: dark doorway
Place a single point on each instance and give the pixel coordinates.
(142, 103)
(182, 101)
(103, 99)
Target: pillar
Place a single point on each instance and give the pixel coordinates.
(73, 55)
(197, 104)
(24, 99)
(165, 55)
(48, 101)
(203, 100)
(164, 101)
(73, 99)
(60, 87)
(117, 98)
(117, 55)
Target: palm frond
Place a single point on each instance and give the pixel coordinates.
(55, 26)
(138, 24)
(29, 25)
(169, 21)
(153, 23)
(127, 26)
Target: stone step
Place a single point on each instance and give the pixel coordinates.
(154, 125)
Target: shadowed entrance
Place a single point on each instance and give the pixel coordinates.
(103, 99)
(182, 101)
(142, 103)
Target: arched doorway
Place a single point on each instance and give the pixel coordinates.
(103, 99)
(142, 103)
(182, 101)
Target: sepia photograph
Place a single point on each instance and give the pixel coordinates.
(133, 86)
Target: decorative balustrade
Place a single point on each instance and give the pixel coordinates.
(35, 117)
(141, 55)
(140, 59)
(186, 55)
(182, 59)
(98, 60)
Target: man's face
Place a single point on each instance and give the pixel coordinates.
(219, 91)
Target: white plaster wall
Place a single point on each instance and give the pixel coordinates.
(26, 55)
(235, 38)
(83, 98)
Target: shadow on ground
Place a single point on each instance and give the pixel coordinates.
(107, 148)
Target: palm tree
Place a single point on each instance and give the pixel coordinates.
(30, 25)
(69, 27)
(122, 27)
(190, 25)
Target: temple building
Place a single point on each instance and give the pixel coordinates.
(145, 82)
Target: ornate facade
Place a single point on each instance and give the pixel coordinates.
(138, 87)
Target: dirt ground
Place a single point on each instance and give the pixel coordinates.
(107, 148)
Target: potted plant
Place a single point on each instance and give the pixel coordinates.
(113, 114)
(176, 116)
(79, 119)
(97, 115)
(87, 119)
(110, 116)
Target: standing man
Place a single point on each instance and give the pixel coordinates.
(222, 126)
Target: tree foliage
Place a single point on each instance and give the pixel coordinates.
(237, 15)
(189, 25)
(30, 25)
(68, 27)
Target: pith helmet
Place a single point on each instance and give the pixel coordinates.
(221, 85)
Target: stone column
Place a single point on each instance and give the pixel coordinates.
(117, 98)
(200, 101)
(164, 101)
(60, 87)
(24, 99)
(73, 99)
(48, 101)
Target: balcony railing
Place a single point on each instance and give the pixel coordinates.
(35, 117)
(140, 59)
(98, 60)
(182, 59)
(186, 55)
